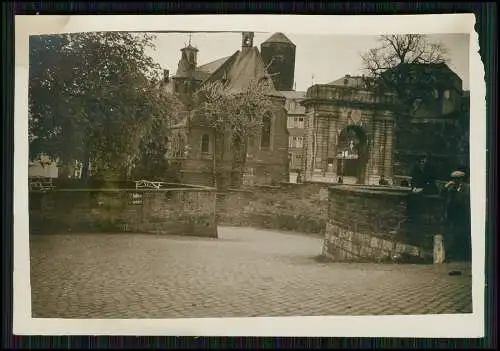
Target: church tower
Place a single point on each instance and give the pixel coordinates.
(185, 80)
(278, 53)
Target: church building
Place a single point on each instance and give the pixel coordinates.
(193, 147)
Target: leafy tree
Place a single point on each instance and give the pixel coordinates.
(95, 96)
(236, 114)
(151, 161)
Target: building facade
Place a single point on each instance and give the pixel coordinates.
(349, 133)
(438, 127)
(355, 136)
(296, 124)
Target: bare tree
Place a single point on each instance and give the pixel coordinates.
(404, 64)
(238, 114)
(412, 67)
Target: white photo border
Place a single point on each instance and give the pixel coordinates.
(432, 326)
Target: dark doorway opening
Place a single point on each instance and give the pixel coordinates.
(352, 153)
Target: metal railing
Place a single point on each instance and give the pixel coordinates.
(40, 183)
(147, 184)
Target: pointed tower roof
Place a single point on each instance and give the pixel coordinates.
(190, 47)
(279, 38)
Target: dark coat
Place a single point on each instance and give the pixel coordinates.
(458, 203)
(423, 177)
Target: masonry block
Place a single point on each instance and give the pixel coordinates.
(182, 211)
(374, 223)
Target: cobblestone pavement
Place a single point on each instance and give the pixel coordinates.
(246, 272)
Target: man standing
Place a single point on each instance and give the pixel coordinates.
(422, 177)
(457, 238)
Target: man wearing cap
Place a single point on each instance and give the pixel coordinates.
(457, 231)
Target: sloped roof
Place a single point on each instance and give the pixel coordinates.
(352, 82)
(278, 38)
(202, 72)
(211, 67)
(446, 75)
(293, 95)
(243, 68)
(293, 99)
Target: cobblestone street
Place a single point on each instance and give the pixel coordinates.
(246, 272)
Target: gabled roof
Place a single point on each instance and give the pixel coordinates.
(279, 38)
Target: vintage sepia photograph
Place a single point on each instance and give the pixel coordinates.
(195, 174)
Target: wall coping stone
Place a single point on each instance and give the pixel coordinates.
(181, 187)
(379, 190)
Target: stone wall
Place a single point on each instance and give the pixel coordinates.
(293, 207)
(376, 223)
(183, 211)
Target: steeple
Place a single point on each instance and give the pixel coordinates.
(188, 61)
(185, 80)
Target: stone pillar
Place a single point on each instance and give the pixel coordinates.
(323, 132)
(332, 146)
(318, 148)
(376, 153)
(389, 130)
(308, 162)
(438, 252)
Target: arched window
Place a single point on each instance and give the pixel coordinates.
(205, 142)
(265, 140)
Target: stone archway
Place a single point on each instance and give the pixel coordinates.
(352, 154)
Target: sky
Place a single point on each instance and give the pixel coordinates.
(324, 57)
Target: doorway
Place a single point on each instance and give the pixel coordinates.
(352, 154)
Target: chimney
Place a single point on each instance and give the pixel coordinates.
(166, 75)
(247, 40)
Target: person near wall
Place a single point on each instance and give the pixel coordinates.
(422, 177)
(299, 177)
(382, 180)
(457, 236)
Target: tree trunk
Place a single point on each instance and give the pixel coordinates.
(66, 170)
(239, 158)
(218, 159)
(85, 168)
(214, 162)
